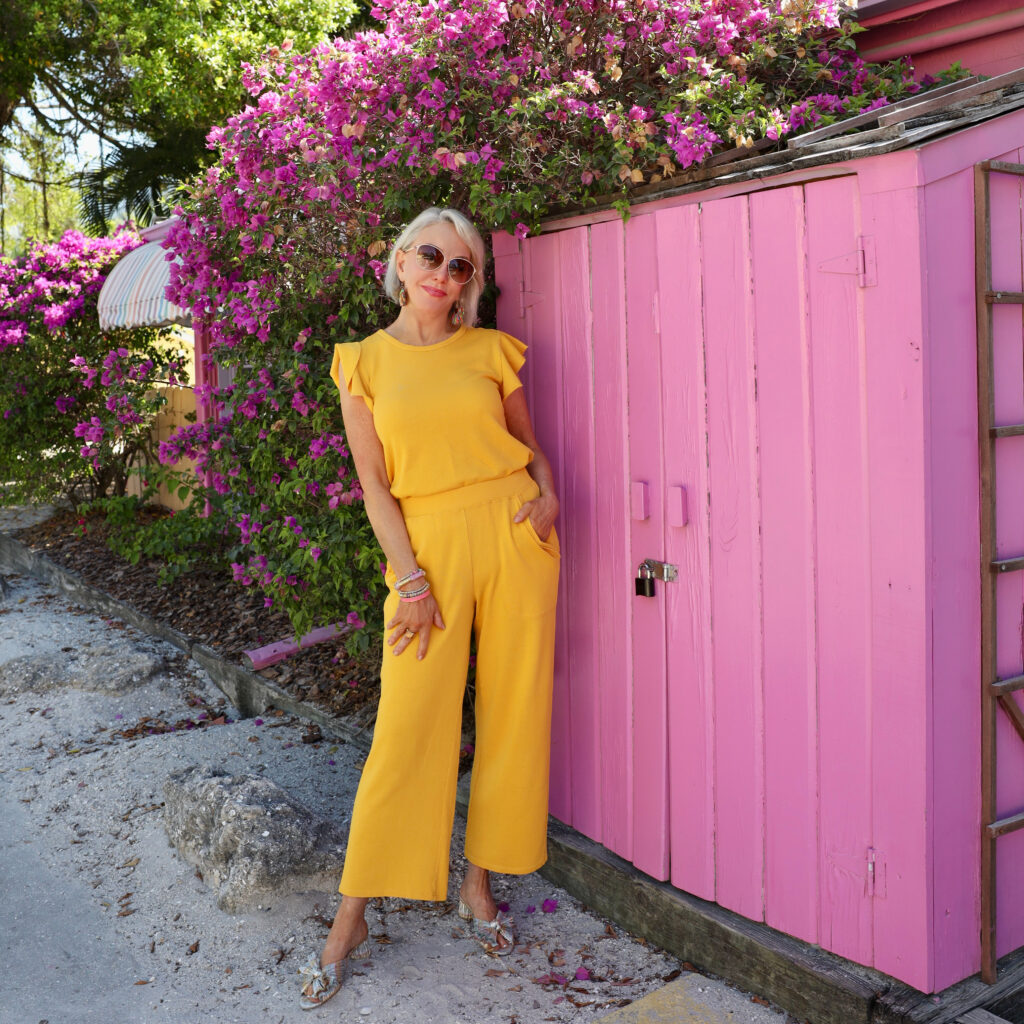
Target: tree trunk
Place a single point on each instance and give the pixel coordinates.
(8, 105)
(43, 168)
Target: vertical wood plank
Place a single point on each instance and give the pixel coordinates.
(735, 558)
(787, 529)
(687, 601)
(508, 278)
(951, 462)
(1007, 195)
(896, 691)
(610, 558)
(650, 748)
(841, 540)
(579, 554)
(544, 320)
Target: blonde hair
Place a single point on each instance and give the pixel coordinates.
(466, 231)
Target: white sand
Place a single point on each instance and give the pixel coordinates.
(103, 922)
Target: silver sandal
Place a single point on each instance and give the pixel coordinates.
(487, 933)
(325, 980)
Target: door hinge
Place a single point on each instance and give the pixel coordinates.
(876, 873)
(861, 262)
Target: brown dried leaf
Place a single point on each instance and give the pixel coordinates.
(492, 972)
(130, 863)
(127, 912)
(194, 948)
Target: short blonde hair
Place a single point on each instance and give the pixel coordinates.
(465, 229)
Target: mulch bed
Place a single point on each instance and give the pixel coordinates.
(210, 608)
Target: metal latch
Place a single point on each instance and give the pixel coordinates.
(660, 570)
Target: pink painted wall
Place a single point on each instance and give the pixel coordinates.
(986, 36)
(790, 728)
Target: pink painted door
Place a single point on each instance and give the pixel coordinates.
(696, 377)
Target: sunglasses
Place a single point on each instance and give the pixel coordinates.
(429, 257)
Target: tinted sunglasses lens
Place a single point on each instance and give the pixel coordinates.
(460, 271)
(429, 256)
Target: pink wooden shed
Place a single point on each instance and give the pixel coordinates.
(986, 36)
(769, 379)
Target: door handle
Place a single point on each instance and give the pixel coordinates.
(639, 500)
(678, 513)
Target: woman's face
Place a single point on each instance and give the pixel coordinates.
(432, 292)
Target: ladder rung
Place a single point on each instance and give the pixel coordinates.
(1004, 168)
(1005, 297)
(1001, 687)
(1011, 430)
(1007, 565)
(1005, 825)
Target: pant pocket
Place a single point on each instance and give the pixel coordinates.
(551, 545)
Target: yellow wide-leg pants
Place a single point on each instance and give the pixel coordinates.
(498, 579)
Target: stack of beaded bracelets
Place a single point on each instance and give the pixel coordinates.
(413, 595)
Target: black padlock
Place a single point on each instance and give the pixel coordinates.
(644, 581)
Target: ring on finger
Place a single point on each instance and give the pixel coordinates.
(409, 633)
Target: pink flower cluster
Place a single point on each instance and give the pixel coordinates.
(53, 283)
(503, 107)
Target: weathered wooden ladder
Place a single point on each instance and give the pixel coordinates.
(995, 693)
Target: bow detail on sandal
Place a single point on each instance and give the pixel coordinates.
(325, 980)
(489, 933)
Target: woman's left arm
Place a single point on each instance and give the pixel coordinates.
(544, 508)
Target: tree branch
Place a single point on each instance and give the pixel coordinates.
(73, 180)
(67, 103)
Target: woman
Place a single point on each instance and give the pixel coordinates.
(462, 501)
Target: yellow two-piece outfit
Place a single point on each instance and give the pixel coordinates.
(459, 477)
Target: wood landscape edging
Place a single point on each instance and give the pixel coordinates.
(804, 980)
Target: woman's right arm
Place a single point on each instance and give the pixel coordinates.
(388, 525)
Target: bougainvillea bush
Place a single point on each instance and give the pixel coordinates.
(76, 403)
(504, 109)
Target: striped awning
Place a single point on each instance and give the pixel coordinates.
(133, 293)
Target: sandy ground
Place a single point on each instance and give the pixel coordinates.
(102, 922)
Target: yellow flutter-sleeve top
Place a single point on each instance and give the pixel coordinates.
(437, 409)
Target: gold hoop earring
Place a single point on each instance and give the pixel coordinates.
(457, 314)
